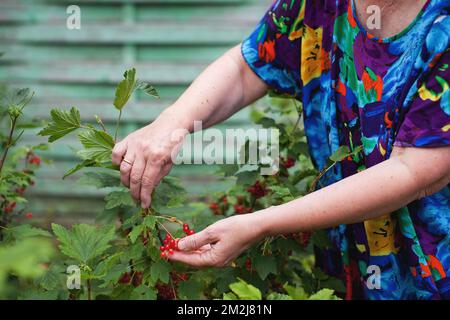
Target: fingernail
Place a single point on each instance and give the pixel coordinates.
(180, 245)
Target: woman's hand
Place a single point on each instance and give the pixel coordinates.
(145, 156)
(219, 244)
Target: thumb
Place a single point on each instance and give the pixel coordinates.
(196, 241)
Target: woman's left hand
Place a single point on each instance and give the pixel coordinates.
(220, 243)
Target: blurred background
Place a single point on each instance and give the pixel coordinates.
(169, 42)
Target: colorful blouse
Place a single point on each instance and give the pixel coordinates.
(359, 90)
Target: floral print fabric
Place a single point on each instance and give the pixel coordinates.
(358, 90)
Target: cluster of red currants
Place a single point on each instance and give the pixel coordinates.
(258, 190)
(33, 159)
(170, 244)
(288, 162)
(219, 208)
(242, 209)
(166, 291)
(9, 207)
(132, 277)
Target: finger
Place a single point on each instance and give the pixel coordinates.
(125, 168)
(197, 240)
(150, 180)
(195, 259)
(148, 183)
(136, 177)
(120, 149)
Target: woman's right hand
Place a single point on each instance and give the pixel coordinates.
(145, 156)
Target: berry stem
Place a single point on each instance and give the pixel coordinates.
(168, 232)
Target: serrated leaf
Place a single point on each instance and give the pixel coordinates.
(143, 293)
(101, 179)
(125, 89)
(230, 296)
(84, 164)
(63, 122)
(278, 296)
(282, 193)
(149, 222)
(98, 145)
(324, 294)
(104, 266)
(135, 233)
(119, 199)
(147, 88)
(23, 258)
(83, 242)
(190, 289)
(245, 291)
(265, 265)
(25, 231)
(296, 293)
(342, 153)
(169, 194)
(160, 270)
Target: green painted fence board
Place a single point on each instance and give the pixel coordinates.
(169, 41)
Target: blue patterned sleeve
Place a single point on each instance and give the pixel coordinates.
(272, 51)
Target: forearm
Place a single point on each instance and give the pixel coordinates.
(374, 192)
(225, 87)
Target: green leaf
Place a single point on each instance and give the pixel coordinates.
(321, 239)
(147, 88)
(119, 199)
(104, 266)
(265, 265)
(149, 222)
(84, 242)
(98, 145)
(125, 89)
(342, 153)
(143, 293)
(63, 122)
(230, 296)
(169, 194)
(245, 291)
(160, 270)
(324, 294)
(278, 296)
(84, 164)
(296, 293)
(25, 231)
(135, 233)
(282, 193)
(190, 289)
(101, 179)
(23, 258)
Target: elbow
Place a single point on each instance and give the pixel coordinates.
(428, 169)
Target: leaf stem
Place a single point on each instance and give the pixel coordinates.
(9, 143)
(117, 125)
(89, 287)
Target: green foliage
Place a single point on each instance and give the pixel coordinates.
(63, 122)
(97, 145)
(84, 242)
(24, 260)
(127, 86)
(123, 260)
(245, 291)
